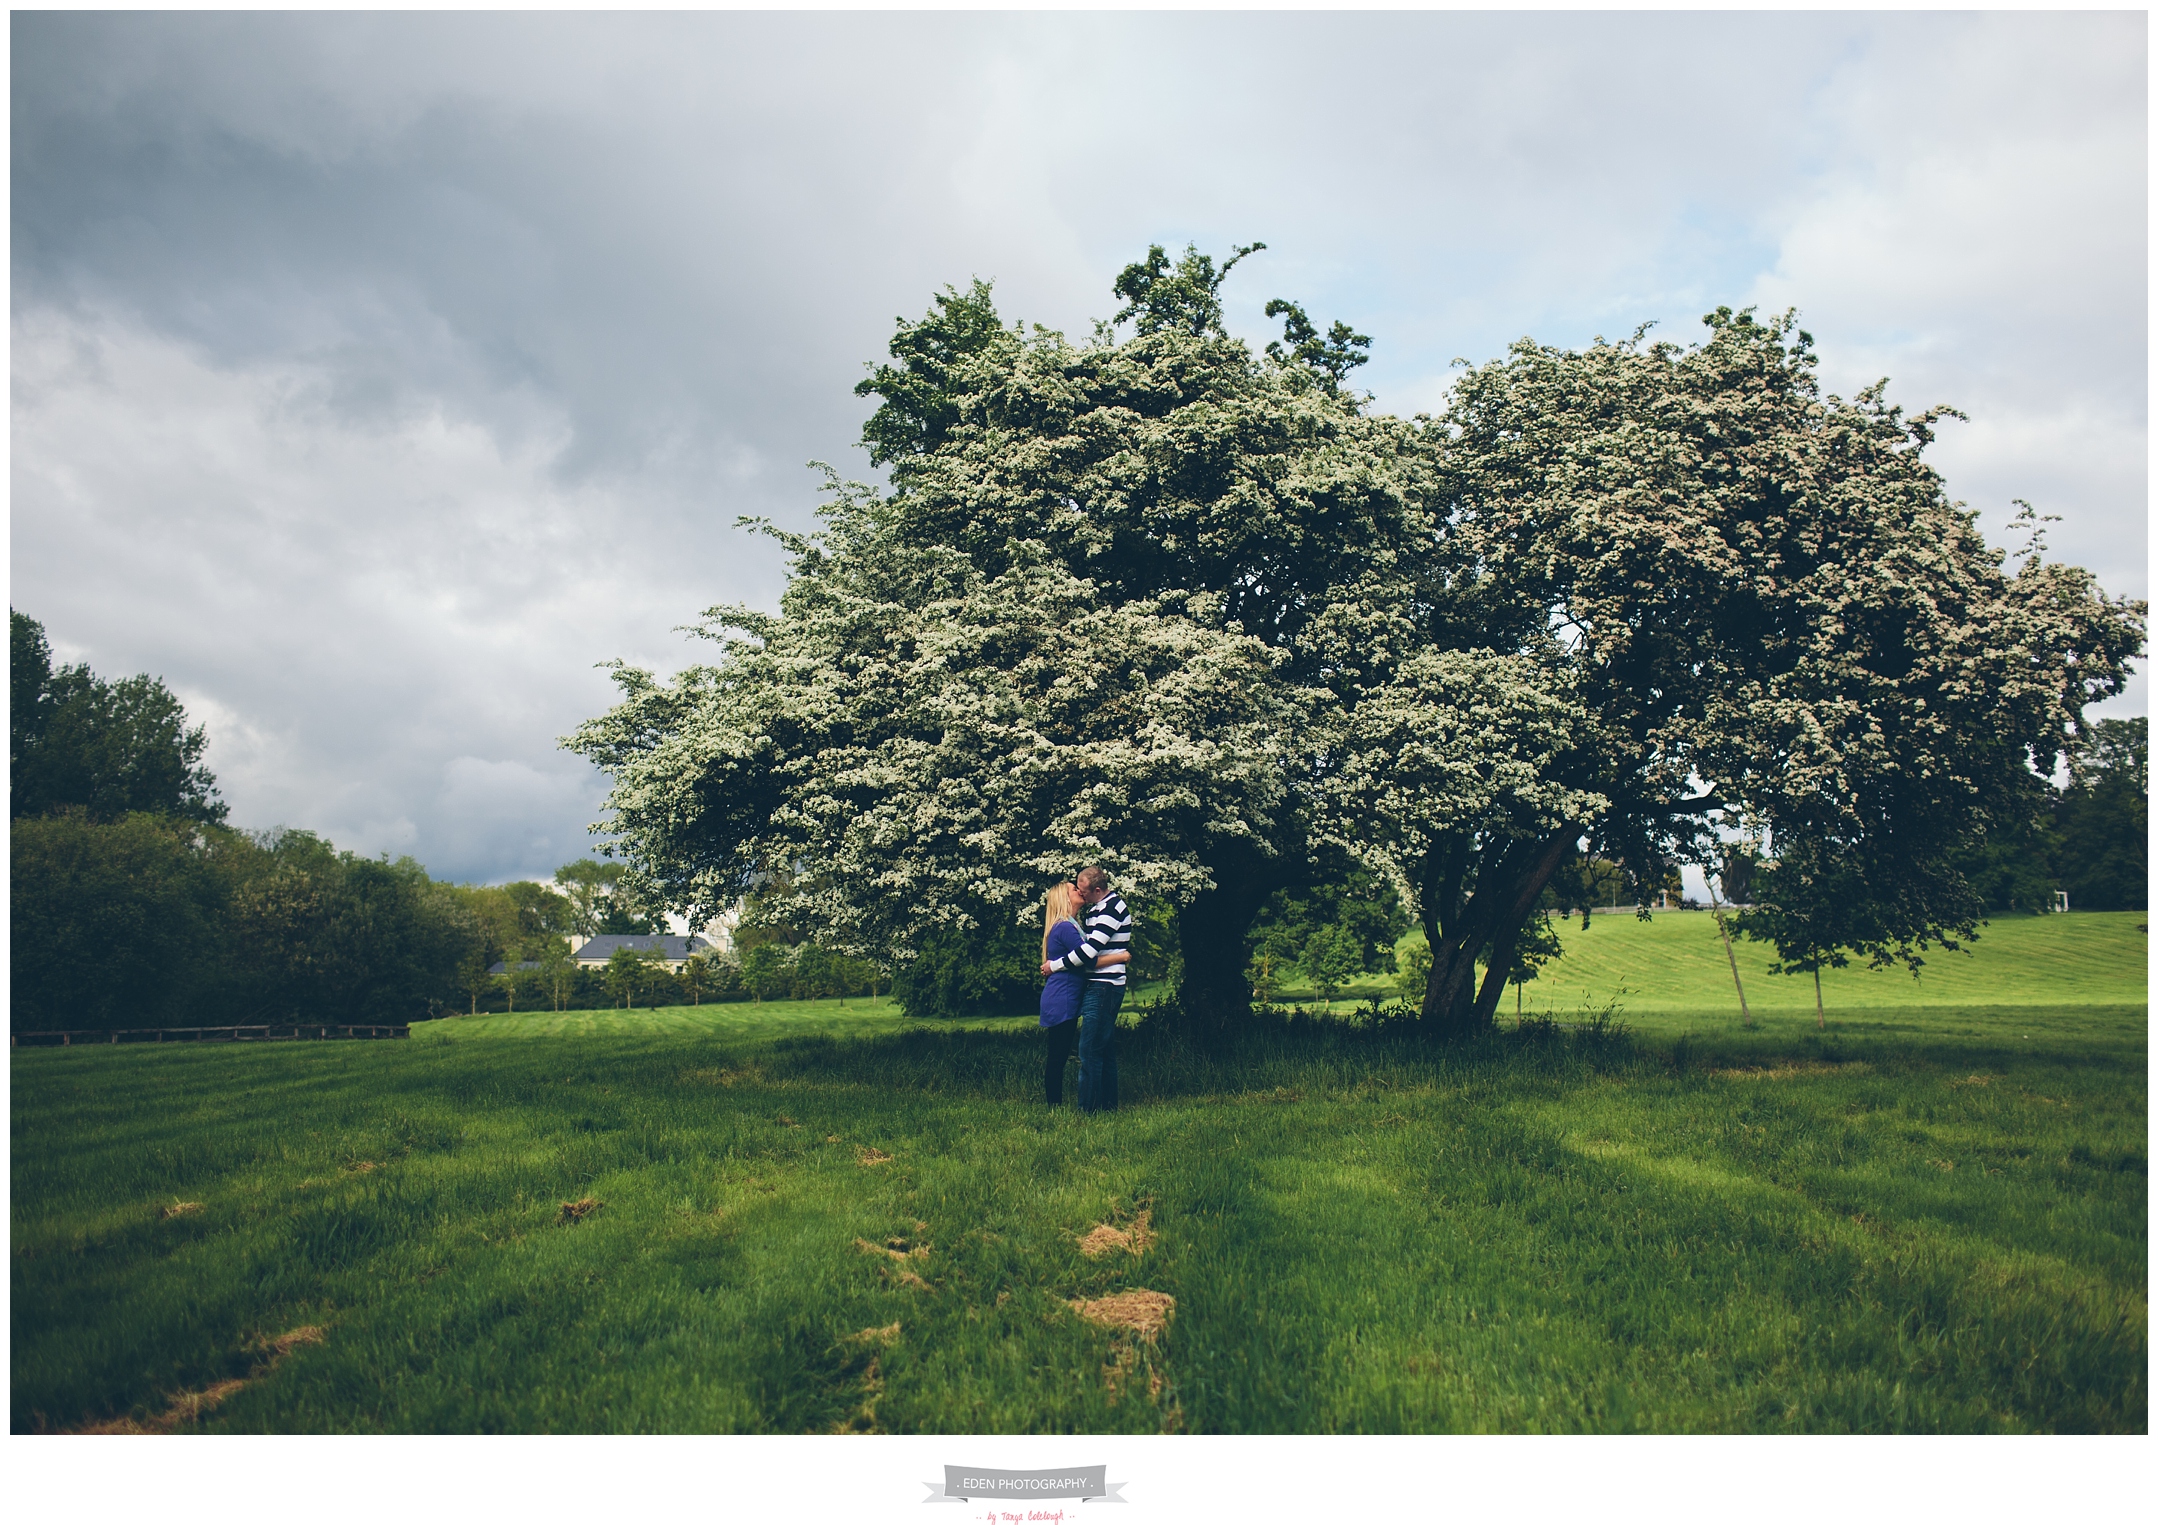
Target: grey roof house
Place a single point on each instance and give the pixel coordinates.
(593, 952)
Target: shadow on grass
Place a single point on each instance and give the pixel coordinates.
(1938, 1225)
(1158, 1061)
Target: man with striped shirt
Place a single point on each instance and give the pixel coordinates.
(1107, 925)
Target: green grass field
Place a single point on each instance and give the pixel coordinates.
(769, 1020)
(1675, 962)
(814, 1218)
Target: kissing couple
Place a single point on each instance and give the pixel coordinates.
(1086, 944)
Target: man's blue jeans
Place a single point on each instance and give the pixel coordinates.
(1097, 1046)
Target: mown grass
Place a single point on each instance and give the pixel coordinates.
(1675, 962)
(1934, 1226)
(858, 1017)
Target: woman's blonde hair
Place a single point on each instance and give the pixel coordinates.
(1061, 898)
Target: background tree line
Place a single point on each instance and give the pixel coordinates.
(769, 970)
(2087, 838)
(135, 904)
(152, 920)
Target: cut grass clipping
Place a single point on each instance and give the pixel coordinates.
(899, 1250)
(1106, 1238)
(185, 1408)
(1927, 1219)
(1144, 1313)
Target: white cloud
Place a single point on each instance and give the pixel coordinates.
(509, 811)
(345, 604)
(1976, 232)
(377, 375)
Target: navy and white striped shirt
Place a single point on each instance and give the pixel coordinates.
(1107, 926)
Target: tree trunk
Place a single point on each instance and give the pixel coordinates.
(1449, 991)
(1715, 900)
(1212, 993)
(1820, 1014)
(1513, 911)
(1491, 918)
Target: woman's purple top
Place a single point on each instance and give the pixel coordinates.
(1061, 996)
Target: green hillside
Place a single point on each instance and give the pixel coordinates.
(1676, 961)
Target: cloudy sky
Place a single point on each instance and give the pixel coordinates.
(377, 376)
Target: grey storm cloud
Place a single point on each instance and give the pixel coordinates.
(378, 376)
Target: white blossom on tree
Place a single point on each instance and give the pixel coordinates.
(1761, 608)
(1103, 614)
(917, 760)
(1197, 614)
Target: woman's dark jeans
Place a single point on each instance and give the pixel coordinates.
(1062, 1039)
(1097, 1047)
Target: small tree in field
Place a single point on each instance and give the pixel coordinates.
(1332, 958)
(1819, 903)
(767, 971)
(659, 984)
(697, 975)
(1276, 946)
(557, 969)
(817, 973)
(1537, 946)
(473, 978)
(624, 975)
(849, 975)
(1415, 974)
(1805, 934)
(1737, 881)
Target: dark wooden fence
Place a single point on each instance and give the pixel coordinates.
(257, 1034)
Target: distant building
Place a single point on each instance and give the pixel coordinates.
(593, 952)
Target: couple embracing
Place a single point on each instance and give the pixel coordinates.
(1085, 965)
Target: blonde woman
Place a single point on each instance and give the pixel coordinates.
(1066, 987)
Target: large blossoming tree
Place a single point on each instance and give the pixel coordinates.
(1108, 610)
(1704, 597)
(1196, 613)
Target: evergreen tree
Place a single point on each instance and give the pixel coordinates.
(106, 748)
